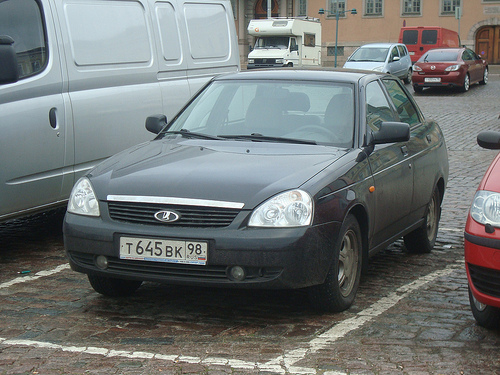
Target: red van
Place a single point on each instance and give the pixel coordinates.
(420, 39)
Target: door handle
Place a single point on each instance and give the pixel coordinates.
(404, 150)
(53, 117)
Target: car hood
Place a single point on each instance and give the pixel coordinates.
(231, 171)
(363, 65)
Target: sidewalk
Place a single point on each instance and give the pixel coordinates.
(494, 69)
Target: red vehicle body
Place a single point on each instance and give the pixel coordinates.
(449, 67)
(482, 241)
(420, 39)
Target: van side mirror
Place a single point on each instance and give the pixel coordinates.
(8, 61)
(390, 132)
(156, 123)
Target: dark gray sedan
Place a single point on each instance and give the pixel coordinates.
(266, 179)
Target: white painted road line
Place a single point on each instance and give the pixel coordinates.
(282, 364)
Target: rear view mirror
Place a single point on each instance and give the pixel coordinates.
(489, 139)
(391, 132)
(8, 61)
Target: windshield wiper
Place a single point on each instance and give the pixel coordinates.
(189, 134)
(256, 137)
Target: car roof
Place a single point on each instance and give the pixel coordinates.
(323, 74)
(379, 45)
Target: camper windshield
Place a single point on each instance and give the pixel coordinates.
(369, 54)
(280, 42)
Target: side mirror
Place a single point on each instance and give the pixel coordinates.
(395, 58)
(8, 61)
(156, 123)
(390, 132)
(489, 139)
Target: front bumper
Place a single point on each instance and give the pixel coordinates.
(482, 263)
(265, 65)
(272, 258)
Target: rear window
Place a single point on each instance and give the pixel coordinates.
(429, 36)
(410, 37)
(438, 56)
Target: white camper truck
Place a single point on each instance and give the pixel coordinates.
(285, 42)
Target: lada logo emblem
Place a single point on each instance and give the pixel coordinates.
(433, 67)
(166, 216)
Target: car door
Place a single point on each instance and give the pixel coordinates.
(391, 168)
(33, 113)
(394, 62)
(473, 68)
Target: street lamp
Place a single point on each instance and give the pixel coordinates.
(337, 13)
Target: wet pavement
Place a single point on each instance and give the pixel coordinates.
(411, 315)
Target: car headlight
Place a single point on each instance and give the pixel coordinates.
(250, 61)
(378, 69)
(452, 68)
(416, 68)
(485, 208)
(289, 209)
(82, 200)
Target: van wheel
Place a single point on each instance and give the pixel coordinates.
(338, 291)
(422, 239)
(466, 85)
(407, 79)
(486, 316)
(112, 287)
(485, 77)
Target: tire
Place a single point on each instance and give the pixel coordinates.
(466, 85)
(112, 287)
(486, 316)
(338, 291)
(485, 77)
(407, 79)
(422, 239)
(417, 88)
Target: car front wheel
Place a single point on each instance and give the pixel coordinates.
(338, 291)
(422, 239)
(112, 287)
(486, 316)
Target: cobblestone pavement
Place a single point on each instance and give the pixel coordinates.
(411, 315)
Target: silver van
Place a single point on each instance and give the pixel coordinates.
(390, 58)
(79, 77)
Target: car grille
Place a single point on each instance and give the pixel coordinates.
(143, 213)
(486, 280)
(265, 61)
(171, 271)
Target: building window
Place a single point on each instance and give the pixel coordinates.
(412, 7)
(302, 8)
(373, 7)
(332, 7)
(330, 51)
(448, 6)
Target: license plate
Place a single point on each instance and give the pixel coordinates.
(411, 53)
(163, 250)
(433, 80)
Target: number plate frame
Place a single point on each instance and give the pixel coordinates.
(163, 250)
(432, 79)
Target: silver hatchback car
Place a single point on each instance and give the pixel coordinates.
(390, 58)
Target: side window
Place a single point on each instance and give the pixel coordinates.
(377, 106)
(405, 108)
(402, 51)
(22, 21)
(394, 53)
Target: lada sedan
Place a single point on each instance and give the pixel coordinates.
(266, 179)
(449, 67)
(482, 241)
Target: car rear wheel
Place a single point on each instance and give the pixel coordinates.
(485, 77)
(486, 316)
(417, 88)
(422, 239)
(466, 85)
(338, 291)
(112, 287)
(407, 79)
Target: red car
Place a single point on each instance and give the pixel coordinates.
(449, 67)
(482, 241)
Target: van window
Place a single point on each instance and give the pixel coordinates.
(208, 31)
(309, 40)
(410, 37)
(429, 36)
(22, 21)
(169, 31)
(94, 26)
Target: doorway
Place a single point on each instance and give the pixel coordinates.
(488, 44)
(261, 9)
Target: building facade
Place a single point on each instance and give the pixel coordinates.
(476, 21)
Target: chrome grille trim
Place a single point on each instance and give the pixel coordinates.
(175, 201)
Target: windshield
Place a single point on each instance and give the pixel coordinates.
(369, 54)
(280, 42)
(440, 56)
(269, 110)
